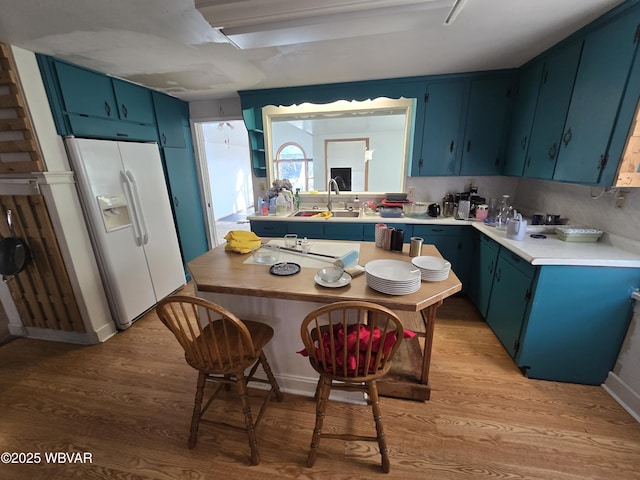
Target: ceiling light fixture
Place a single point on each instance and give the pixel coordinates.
(455, 11)
(263, 23)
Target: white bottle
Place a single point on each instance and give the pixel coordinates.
(356, 204)
(281, 205)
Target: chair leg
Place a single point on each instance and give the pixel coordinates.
(197, 409)
(246, 409)
(377, 417)
(322, 392)
(272, 380)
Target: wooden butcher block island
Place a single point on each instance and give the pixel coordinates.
(250, 291)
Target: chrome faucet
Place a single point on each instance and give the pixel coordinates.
(335, 184)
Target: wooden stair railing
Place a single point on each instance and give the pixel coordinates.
(19, 149)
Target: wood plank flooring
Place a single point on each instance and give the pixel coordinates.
(128, 403)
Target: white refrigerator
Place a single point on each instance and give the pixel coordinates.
(125, 200)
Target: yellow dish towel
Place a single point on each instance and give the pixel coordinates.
(241, 241)
(322, 214)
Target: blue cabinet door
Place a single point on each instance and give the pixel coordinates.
(439, 148)
(86, 92)
(553, 102)
(510, 296)
(604, 69)
(524, 108)
(171, 116)
(134, 102)
(483, 146)
(344, 231)
(185, 199)
(568, 337)
(483, 275)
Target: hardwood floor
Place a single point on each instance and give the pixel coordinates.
(128, 403)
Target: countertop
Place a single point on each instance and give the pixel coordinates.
(548, 251)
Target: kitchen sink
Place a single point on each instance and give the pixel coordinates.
(336, 213)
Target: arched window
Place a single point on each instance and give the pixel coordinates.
(292, 163)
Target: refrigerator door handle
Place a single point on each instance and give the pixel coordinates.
(136, 226)
(138, 207)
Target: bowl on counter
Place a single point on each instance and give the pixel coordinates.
(416, 209)
(330, 274)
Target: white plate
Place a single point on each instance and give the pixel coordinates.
(344, 280)
(392, 270)
(431, 263)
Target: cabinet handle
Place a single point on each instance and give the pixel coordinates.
(107, 108)
(164, 139)
(124, 111)
(437, 230)
(567, 137)
(552, 151)
(515, 258)
(176, 202)
(468, 145)
(491, 265)
(523, 143)
(451, 146)
(498, 275)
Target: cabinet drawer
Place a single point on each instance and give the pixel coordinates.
(518, 262)
(269, 229)
(430, 230)
(94, 127)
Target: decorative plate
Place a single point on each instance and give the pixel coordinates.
(284, 269)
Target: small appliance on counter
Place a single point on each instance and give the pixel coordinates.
(474, 200)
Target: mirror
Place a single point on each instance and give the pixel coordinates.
(364, 145)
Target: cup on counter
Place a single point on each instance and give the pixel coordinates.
(386, 237)
(482, 211)
(397, 240)
(538, 219)
(415, 246)
(290, 240)
(551, 219)
(379, 235)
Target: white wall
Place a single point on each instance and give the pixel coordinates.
(228, 164)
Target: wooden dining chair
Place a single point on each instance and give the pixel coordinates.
(221, 347)
(351, 345)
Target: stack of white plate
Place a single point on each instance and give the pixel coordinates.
(393, 277)
(432, 269)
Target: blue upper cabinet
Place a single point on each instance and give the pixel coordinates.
(525, 98)
(489, 104)
(602, 77)
(86, 92)
(134, 102)
(89, 104)
(558, 76)
(464, 126)
(171, 116)
(437, 150)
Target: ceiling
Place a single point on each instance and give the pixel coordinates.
(200, 49)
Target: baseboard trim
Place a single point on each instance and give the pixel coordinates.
(623, 394)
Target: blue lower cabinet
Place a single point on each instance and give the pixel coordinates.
(455, 244)
(510, 295)
(481, 279)
(577, 322)
(306, 229)
(344, 231)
